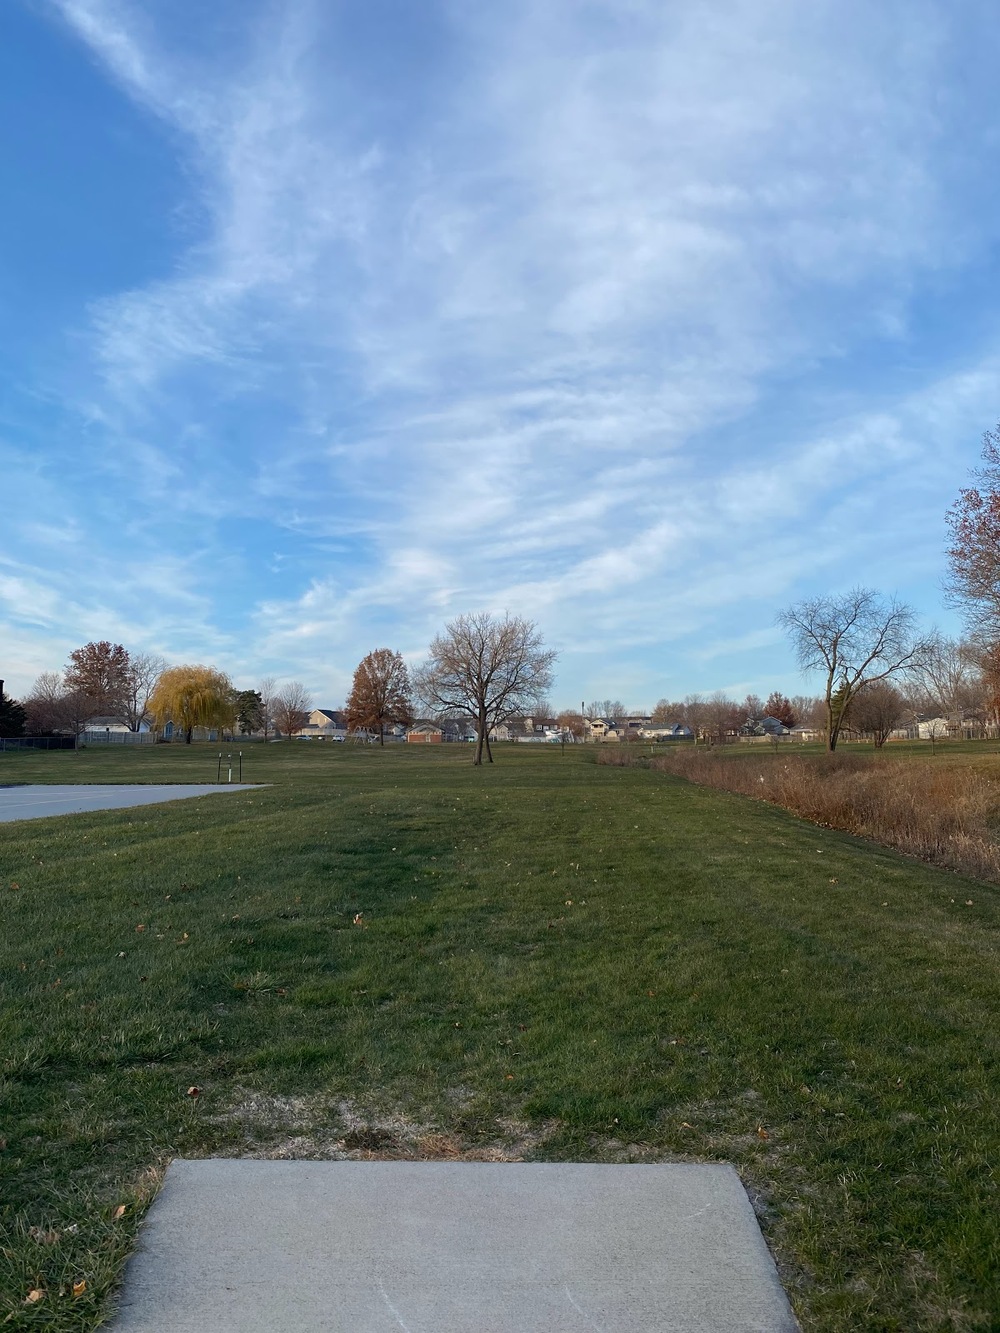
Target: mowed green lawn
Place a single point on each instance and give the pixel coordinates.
(396, 954)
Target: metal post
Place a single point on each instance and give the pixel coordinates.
(218, 774)
(230, 758)
(241, 766)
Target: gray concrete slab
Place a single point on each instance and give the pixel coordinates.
(39, 801)
(451, 1247)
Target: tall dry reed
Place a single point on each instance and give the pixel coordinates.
(937, 811)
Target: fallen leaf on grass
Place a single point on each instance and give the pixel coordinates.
(119, 1211)
(762, 1132)
(34, 1295)
(685, 1125)
(194, 1091)
(80, 1287)
(41, 1236)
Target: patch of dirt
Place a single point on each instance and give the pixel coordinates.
(318, 1128)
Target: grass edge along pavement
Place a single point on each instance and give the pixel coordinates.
(396, 955)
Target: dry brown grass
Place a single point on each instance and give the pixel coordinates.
(940, 812)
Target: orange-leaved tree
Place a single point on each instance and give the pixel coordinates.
(380, 693)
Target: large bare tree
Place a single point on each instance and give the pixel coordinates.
(380, 693)
(722, 717)
(141, 674)
(52, 706)
(487, 668)
(291, 707)
(854, 638)
(268, 692)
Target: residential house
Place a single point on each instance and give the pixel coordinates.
(604, 729)
(425, 733)
(803, 732)
(773, 726)
(328, 724)
(667, 731)
(457, 730)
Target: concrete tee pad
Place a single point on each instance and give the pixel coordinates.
(38, 801)
(451, 1247)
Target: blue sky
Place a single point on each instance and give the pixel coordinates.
(323, 322)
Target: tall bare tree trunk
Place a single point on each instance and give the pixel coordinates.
(480, 740)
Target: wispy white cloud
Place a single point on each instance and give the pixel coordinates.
(565, 321)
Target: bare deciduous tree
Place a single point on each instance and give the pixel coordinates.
(809, 710)
(666, 711)
(380, 693)
(139, 682)
(855, 639)
(45, 704)
(291, 707)
(949, 679)
(753, 708)
(876, 710)
(52, 706)
(693, 714)
(612, 709)
(268, 692)
(488, 669)
(722, 717)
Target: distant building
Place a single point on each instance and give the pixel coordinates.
(425, 733)
(328, 724)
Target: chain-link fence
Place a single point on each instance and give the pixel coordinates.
(37, 742)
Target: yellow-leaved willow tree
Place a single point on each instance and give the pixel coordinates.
(193, 696)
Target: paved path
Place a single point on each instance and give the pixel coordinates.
(451, 1247)
(38, 801)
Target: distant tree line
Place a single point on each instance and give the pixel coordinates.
(877, 671)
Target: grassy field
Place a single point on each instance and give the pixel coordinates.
(394, 954)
